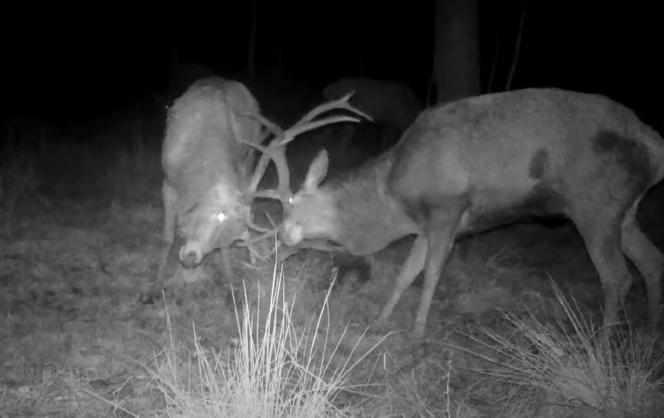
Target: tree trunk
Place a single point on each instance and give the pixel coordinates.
(456, 50)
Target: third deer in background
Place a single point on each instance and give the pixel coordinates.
(392, 105)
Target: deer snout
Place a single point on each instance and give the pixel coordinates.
(190, 257)
(291, 233)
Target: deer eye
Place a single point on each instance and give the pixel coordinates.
(221, 216)
(291, 199)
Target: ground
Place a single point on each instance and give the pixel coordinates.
(75, 339)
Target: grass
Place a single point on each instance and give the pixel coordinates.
(275, 369)
(576, 365)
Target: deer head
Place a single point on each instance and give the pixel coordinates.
(275, 151)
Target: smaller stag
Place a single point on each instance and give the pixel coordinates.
(474, 164)
(206, 170)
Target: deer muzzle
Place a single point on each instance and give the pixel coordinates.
(291, 233)
(190, 256)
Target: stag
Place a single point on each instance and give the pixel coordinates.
(478, 163)
(206, 169)
(212, 136)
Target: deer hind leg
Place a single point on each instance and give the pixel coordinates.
(441, 239)
(409, 270)
(647, 259)
(602, 236)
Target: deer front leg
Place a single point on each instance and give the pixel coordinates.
(409, 270)
(441, 230)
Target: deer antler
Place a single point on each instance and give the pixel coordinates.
(276, 150)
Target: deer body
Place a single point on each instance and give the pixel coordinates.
(207, 166)
(481, 162)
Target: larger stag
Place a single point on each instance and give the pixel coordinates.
(485, 161)
(208, 156)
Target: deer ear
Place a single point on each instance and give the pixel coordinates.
(317, 171)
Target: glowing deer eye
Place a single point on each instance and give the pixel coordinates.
(291, 199)
(221, 216)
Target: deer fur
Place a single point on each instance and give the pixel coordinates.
(207, 169)
(474, 164)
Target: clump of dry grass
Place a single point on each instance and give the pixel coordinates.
(275, 369)
(577, 365)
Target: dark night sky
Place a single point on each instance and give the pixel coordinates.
(81, 62)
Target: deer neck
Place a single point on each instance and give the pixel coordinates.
(368, 217)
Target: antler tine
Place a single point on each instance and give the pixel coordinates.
(261, 166)
(264, 194)
(269, 125)
(341, 103)
(271, 128)
(292, 133)
(264, 234)
(266, 151)
(344, 103)
(252, 225)
(276, 150)
(307, 123)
